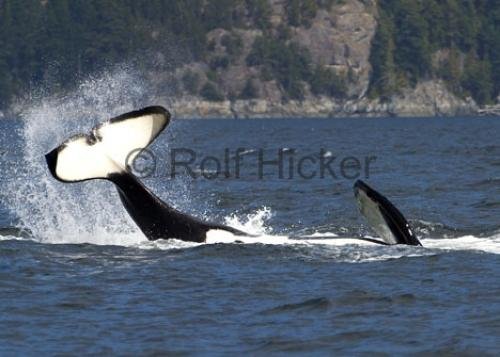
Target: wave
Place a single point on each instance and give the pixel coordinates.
(337, 249)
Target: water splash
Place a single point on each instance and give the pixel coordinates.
(85, 212)
(253, 223)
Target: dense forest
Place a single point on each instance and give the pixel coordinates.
(412, 34)
(60, 41)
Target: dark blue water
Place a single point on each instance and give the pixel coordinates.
(79, 278)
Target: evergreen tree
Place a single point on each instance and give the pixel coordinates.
(249, 91)
(383, 81)
(477, 79)
(413, 53)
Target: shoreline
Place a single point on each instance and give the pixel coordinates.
(483, 112)
(260, 109)
(427, 99)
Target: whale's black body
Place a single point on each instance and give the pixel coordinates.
(108, 149)
(155, 218)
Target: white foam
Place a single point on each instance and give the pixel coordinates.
(253, 223)
(218, 236)
(10, 237)
(466, 243)
(483, 244)
(169, 244)
(98, 237)
(359, 250)
(320, 234)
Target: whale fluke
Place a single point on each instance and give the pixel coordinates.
(105, 153)
(106, 149)
(385, 219)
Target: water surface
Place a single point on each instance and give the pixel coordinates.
(77, 277)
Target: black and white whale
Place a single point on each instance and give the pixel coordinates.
(106, 152)
(108, 149)
(384, 218)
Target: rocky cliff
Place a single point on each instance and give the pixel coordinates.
(338, 39)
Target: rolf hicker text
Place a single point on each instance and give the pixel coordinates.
(283, 163)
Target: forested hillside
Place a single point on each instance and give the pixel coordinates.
(456, 40)
(246, 49)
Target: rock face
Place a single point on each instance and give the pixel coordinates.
(426, 100)
(337, 38)
(341, 39)
(430, 98)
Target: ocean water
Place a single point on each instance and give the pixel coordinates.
(77, 277)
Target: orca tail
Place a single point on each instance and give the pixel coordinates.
(385, 219)
(109, 147)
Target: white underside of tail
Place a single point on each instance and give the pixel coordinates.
(109, 147)
(78, 161)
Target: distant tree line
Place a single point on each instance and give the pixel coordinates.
(57, 41)
(63, 38)
(455, 40)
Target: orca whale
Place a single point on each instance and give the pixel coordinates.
(108, 149)
(106, 152)
(384, 218)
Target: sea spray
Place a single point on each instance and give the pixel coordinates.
(73, 213)
(87, 212)
(253, 223)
